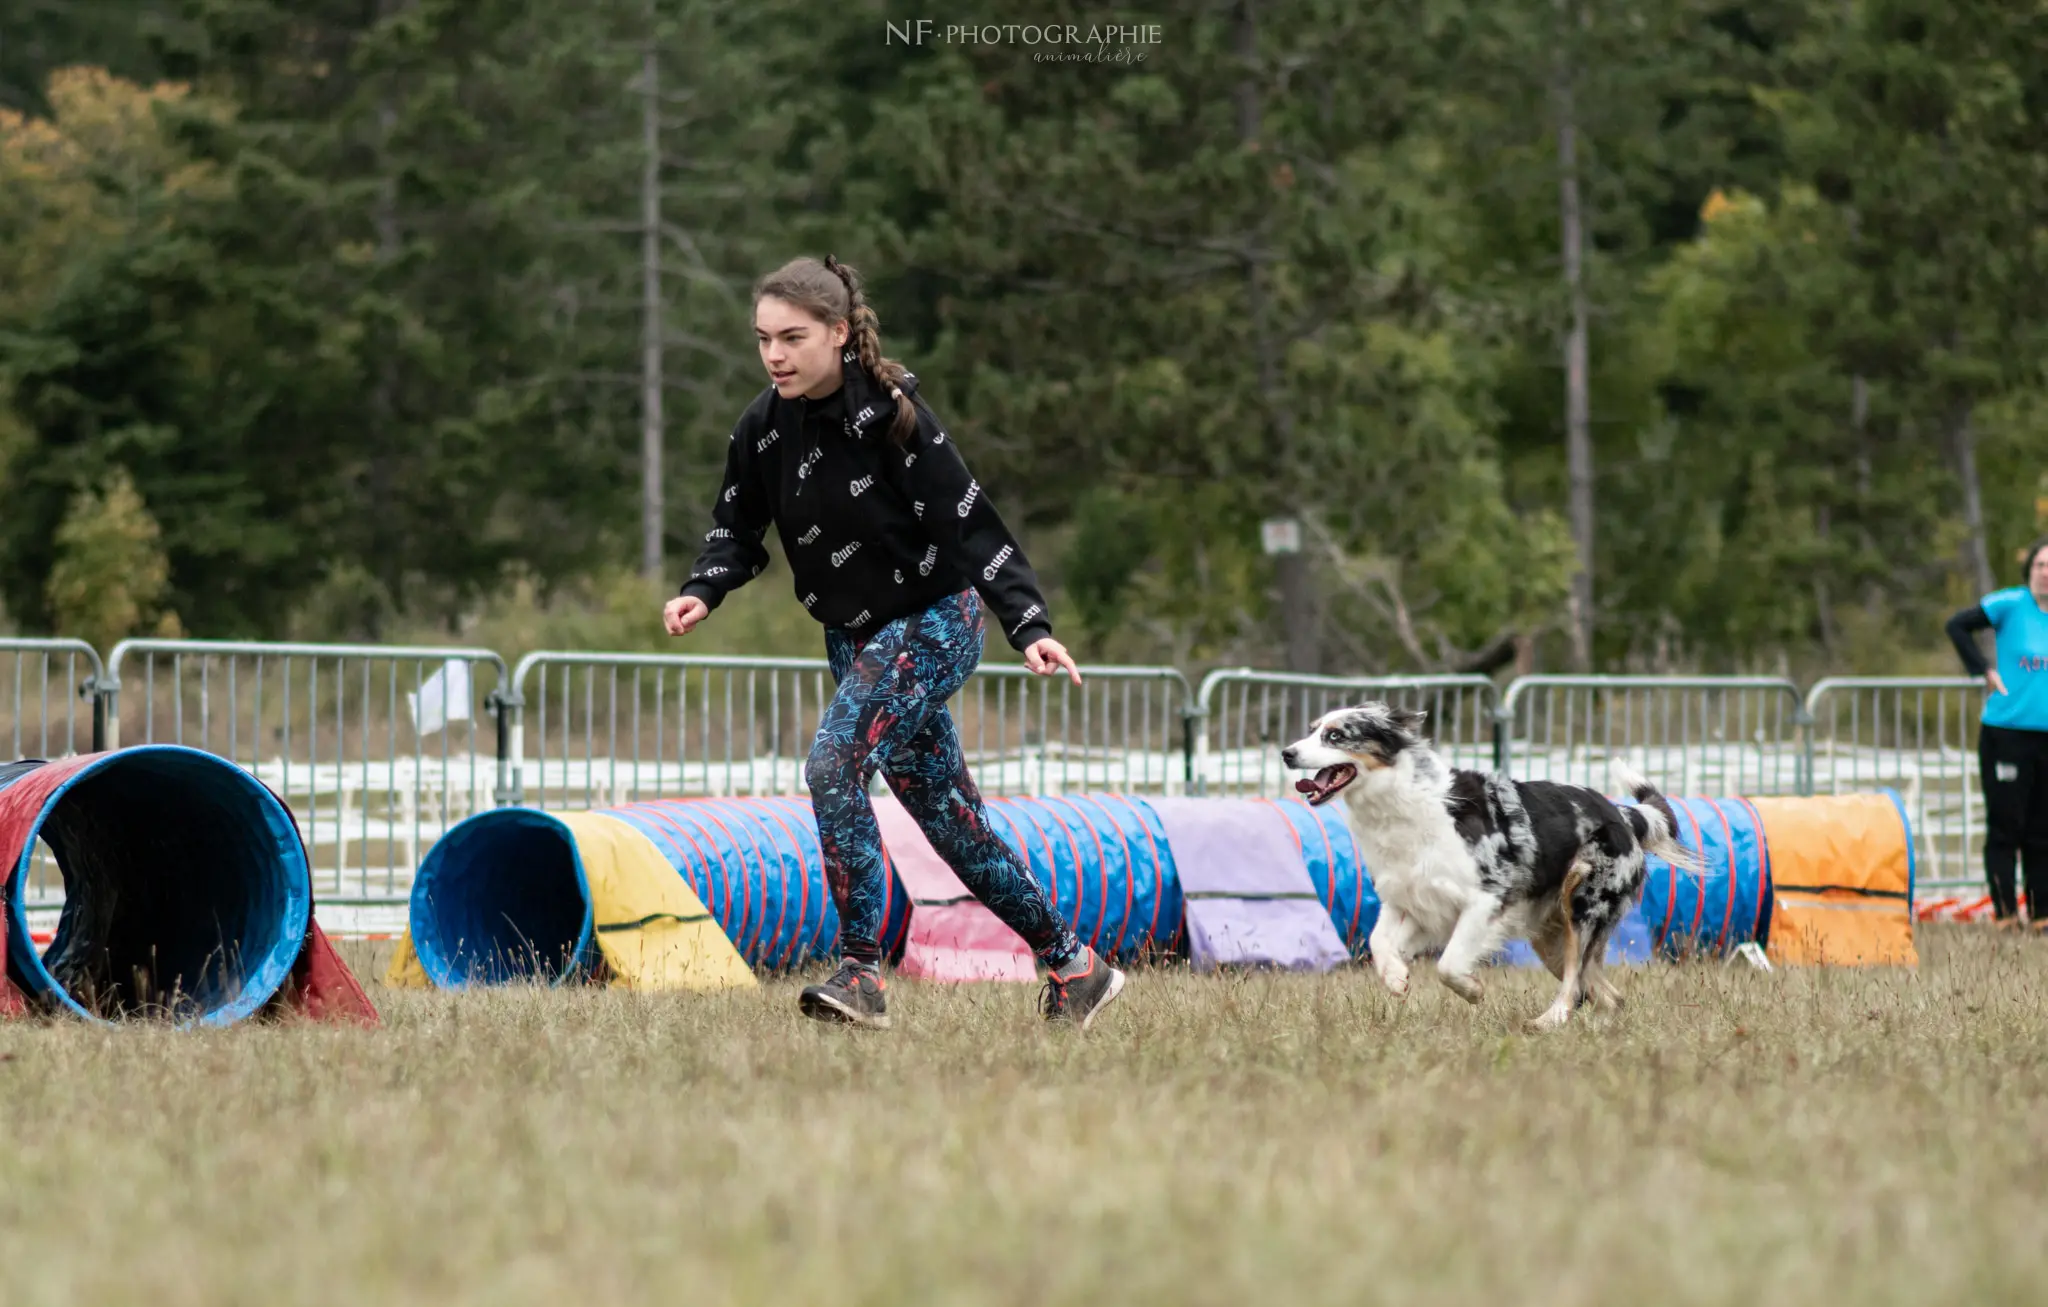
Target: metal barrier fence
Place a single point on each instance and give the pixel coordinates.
(379, 749)
(1918, 736)
(1692, 735)
(592, 730)
(1709, 735)
(50, 707)
(1242, 718)
(374, 748)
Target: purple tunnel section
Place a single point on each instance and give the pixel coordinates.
(1250, 901)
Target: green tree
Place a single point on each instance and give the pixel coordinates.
(142, 344)
(111, 574)
(136, 40)
(1921, 126)
(1224, 266)
(1839, 348)
(460, 193)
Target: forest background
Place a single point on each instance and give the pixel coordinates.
(1658, 336)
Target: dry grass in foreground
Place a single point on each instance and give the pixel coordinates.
(1831, 1137)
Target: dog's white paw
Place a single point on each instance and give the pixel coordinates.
(1606, 998)
(1553, 1018)
(1469, 988)
(1396, 982)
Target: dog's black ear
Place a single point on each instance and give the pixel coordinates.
(1408, 719)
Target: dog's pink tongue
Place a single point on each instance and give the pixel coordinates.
(1307, 785)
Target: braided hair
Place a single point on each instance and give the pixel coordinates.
(831, 292)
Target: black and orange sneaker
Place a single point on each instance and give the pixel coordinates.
(1080, 990)
(853, 995)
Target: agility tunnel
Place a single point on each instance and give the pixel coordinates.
(510, 894)
(1225, 882)
(1826, 880)
(949, 934)
(187, 893)
(1841, 880)
(1725, 904)
(517, 894)
(1221, 882)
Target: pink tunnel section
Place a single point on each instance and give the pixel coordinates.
(952, 935)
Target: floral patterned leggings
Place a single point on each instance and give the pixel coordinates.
(890, 712)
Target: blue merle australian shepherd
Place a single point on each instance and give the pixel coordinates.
(1465, 860)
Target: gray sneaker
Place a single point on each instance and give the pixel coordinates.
(1080, 990)
(853, 995)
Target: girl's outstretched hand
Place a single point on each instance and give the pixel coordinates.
(1048, 656)
(684, 612)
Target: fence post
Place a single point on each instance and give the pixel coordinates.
(1192, 714)
(505, 704)
(105, 690)
(1503, 725)
(1803, 718)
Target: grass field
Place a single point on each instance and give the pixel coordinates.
(1833, 1137)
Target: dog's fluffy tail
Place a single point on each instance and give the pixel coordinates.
(1654, 823)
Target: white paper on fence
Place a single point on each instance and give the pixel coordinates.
(441, 698)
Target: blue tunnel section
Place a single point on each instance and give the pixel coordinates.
(187, 891)
(758, 868)
(1715, 911)
(1105, 861)
(1336, 868)
(502, 897)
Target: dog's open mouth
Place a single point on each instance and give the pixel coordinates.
(1324, 784)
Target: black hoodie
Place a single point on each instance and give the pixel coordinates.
(872, 532)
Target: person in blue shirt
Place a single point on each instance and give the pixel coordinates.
(2012, 746)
